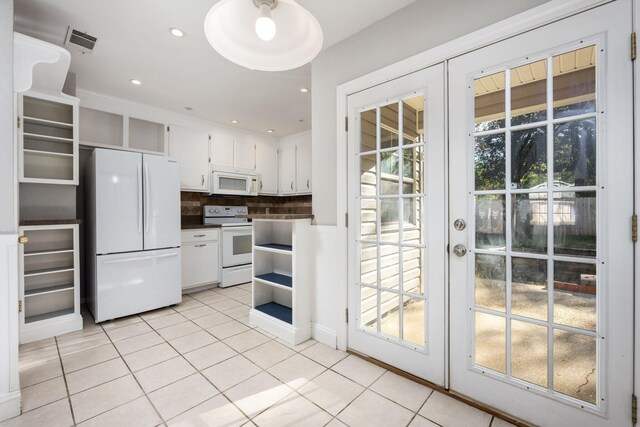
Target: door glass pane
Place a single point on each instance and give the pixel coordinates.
(413, 320)
(529, 218)
(390, 314)
(529, 93)
(368, 177)
(489, 162)
(413, 120)
(412, 223)
(369, 264)
(490, 339)
(389, 172)
(368, 308)
(389, 127)
(574, 82)
(574, 223)
(368, 129)
(390, 220)
(412, 267)
(574, 294)
(529, 158)
(368, 219)
(412, 172)
(574, 153)
(529, 288)
(490, 282)
(574, 359)
(490, 222)
(529, 352)
(390, 266)
(489, 102)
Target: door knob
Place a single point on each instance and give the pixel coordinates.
(459, 224)
(459, 250)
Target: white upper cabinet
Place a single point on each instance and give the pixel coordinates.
(288, 169)
(267, 167)
(222, 150)
(245, 153)
(303, 168)
(191, 148)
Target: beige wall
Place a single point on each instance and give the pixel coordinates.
(414, 29)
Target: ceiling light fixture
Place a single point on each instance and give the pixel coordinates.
(235, 122)
(270, 130)
(188, 108)
(304, 90)
(265, 35)
(136, 82)
(176, 32)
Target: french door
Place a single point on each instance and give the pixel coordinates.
(541, 196)
(397, 239)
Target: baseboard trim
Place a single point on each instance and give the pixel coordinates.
(10, 405)
(324, 335)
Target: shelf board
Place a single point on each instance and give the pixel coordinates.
(276, 279)
(51, 123)
(47, 271)
(47, 316)
(48, 252)
(47, 138)
(277, 311)
(275, 247)
(49, 290)
(46, 153)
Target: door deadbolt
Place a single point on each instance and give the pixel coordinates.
(459, 250)
(459, 224)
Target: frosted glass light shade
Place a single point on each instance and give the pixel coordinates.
(230, 29)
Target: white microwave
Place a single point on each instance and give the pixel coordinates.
(230, 183)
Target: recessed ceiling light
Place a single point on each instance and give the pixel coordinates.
(188, 108)
(270, 130)
(136, 82)
(235, 122)
(304, 90)
(176, 32)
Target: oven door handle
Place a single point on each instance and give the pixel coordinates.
(238, 229)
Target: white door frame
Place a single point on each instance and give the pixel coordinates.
(534, 18)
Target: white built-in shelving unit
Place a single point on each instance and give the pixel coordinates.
(49, 282)
(48, 139)
(281, 278)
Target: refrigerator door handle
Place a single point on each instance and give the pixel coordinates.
(139, 198)
(134, 259)
(147, 196)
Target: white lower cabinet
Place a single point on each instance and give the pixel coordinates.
(282, 278)
(200, 257)
(49, 282)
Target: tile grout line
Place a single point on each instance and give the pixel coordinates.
(64, 378)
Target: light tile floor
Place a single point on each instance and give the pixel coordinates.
(201, 363)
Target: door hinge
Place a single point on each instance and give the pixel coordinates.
(634, 228)
(346, 315)
(18, 122)
(634, 409)
(346, 220)
(634, 52)
(346, 124)
(19, 306)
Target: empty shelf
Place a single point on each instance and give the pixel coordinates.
(278, 311)
(278, 279)
(48, 290)
(275, 247)
(46, 153)
(52, 123)
(51, 315)
(47, 271)
(47, 138)
(48, 252)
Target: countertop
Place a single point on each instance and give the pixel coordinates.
(70, 221)
(279, 216)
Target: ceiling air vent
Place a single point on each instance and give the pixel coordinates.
(81, 41)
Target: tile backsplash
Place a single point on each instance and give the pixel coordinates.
(191, 204)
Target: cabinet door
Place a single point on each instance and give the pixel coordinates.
(191, 149)
(267, 168)
(288, 170)
(200, 263)
(222, 150)
(245, 154)
(303, 168)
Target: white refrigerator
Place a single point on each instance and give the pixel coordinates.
(133, 233)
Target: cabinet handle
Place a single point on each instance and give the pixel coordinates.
(261, 185)
(202, 180)
(199, 235)
(307, 184)
(201, 246)
(292, 185)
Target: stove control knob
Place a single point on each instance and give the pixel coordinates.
(210, 210)
(216, 210)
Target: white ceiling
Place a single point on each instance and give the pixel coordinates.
(134, 43)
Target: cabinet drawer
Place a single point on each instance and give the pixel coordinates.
(200, 235)
(200, 264)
